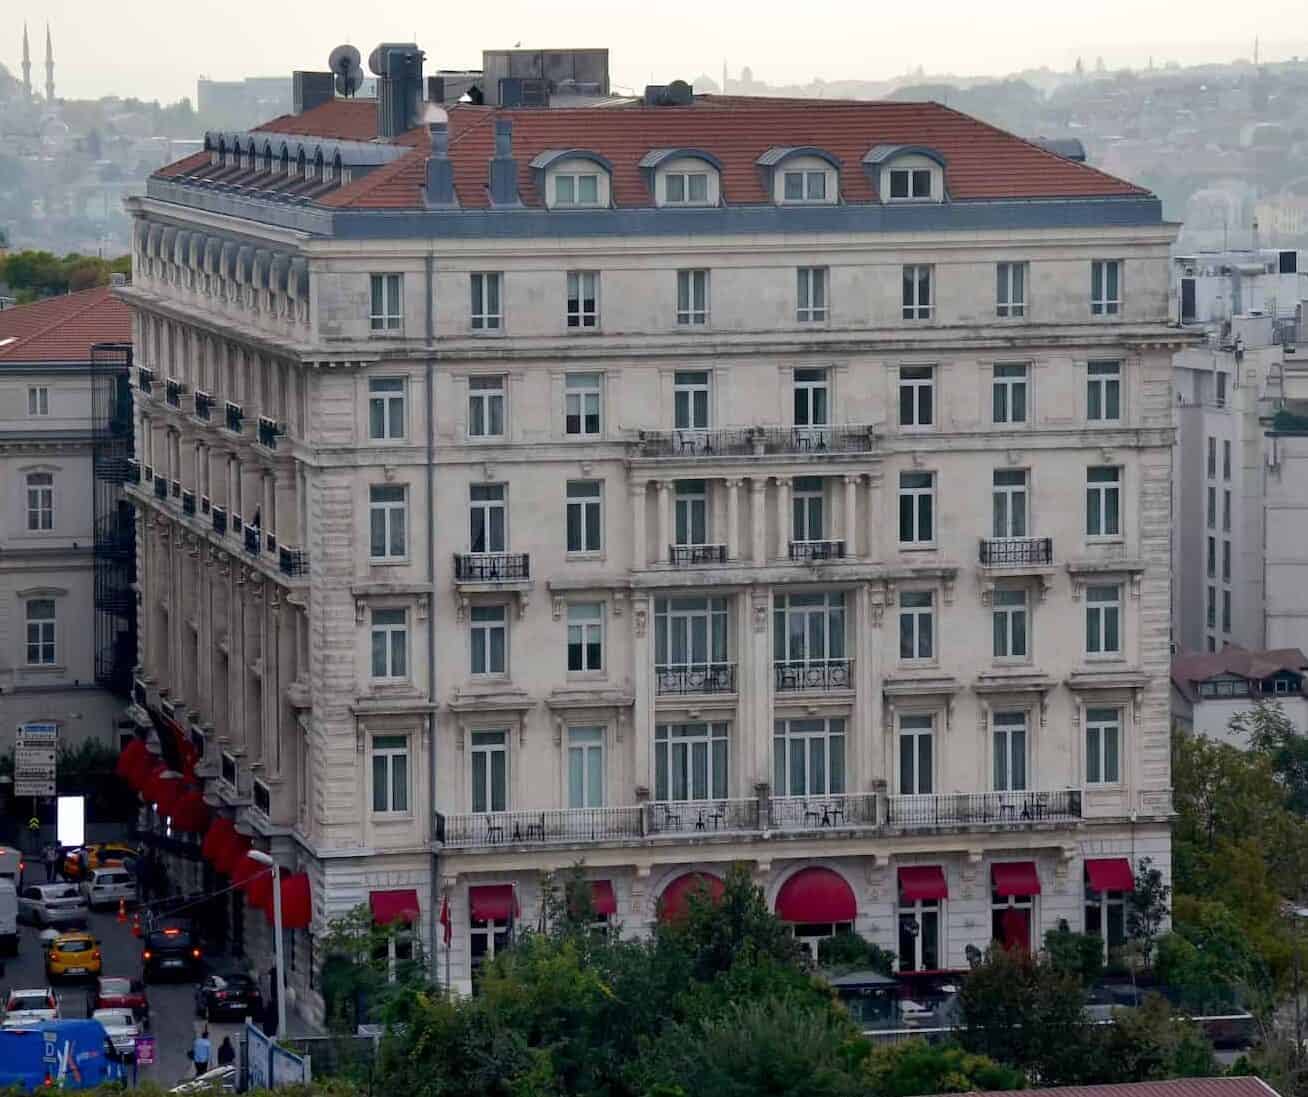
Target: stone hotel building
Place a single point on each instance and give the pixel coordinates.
(651, 486)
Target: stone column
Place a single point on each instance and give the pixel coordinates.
(783, 517)
(665, 519)
(733, 519)
(882, 520)
(849, 530)
(639, 542)
(286, 507)
(643, 681)
(758, 512)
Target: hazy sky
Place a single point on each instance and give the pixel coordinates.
(155, 49)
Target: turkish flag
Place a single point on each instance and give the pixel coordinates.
(447, 925)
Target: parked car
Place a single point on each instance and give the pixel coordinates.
(105, 887)
(52, 905)
(171, 950)
(98, 855)
(231, 994)
(8, 918)
(72, 956)
(23, 1007)
(112, 992)
(122, 1029)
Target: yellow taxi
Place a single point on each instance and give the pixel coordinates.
(73, 956)
(98, 855)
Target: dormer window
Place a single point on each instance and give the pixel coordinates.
(806, 186)
(906, 173)
(802, 176)
(576, 190)
(910, 183)
(682, 177)
(572, 178)
(685, 188)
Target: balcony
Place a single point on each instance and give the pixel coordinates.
(1016, 552)
(147, 473)
(567, 826)
(681, 556)
(219, 517)
(293, 561)
(703, 817)
(133, 471)
(173, 390)
(252, 540)
(188, 502)
(203, 405)
(813, 551)
(835, 812)
(757, 441)
(235, 417)
(204, 504)
(160, 488)
(145, 379)
(492, 567)
(678, 681)
(988, 809)
(176, 486)
(816, 677)
(269, 431)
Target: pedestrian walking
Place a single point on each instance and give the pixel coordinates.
(226, 1052)
(200, 1052)
(50, 855)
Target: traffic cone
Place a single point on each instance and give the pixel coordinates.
(122, 912)
(136, 923)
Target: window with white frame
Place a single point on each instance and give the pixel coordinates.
(685, 188)
(1009, 497)
(690, 761)
(586, 767)
(808, 757)
(807, 506)
(811, 295)
(487, 313)
(919, 935)
(1103, 403)
(808, 629)
(40, 614)
(1103, 501)
(690, 633)
(387, 302)
(1008, 751)
(1010, 289)
(38, 400)
(691, 402)
(1103, 746)
(580, 189)
(486, 939)
(1105, 287)
(486, 407)
(489, 636)
(1009, 622)
(812, 397)
(40, 501)
(585, 636)
(917, 754)
(390, 774)
(917, 492)
(804, 186)
(1103, 619)
(1008, 393)
(486, 518)
(390, 643)
(917, 625)
(1011, 919)
(692, 296)
(581, 405)
(917, 396)
(917, 291)
(489, 760)
(1105, 917)
(388, 508)
(386, 406)
(584, 519)
(691, 513)
(910, 183)
(583, 298)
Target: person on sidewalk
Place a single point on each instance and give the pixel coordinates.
(200, 1052)
(50, 855)
(226, 1052)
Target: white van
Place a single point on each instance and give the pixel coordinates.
(104, 887)
(8, 918)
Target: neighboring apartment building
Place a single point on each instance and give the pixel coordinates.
(660, 487)
(66, 608)
(1210, 689)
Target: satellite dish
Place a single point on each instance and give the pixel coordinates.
(375, 62)
(344, 63)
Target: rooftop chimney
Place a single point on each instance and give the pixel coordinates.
(440, 172)
(398, 66)
(311, 89)
(503, 167)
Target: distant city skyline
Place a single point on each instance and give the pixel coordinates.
(164, 48)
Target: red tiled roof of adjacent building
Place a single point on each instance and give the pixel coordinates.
(1234, 660)
(63, 329)
(1241, 1086)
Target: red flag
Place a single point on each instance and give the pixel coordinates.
(447, 925)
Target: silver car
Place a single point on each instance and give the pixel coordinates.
(52, 905)
(121, 1027)
(105, 887)
(30, 1007)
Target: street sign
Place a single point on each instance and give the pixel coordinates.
(35, 760)
(145, 1050)
(33, 823)
(26, 757)
(34, 733)
(33, 786)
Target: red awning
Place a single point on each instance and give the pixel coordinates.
(492, 903)
(297, 902)
(133, 757)
(816, 895)
(602, 899)
(259, 894)
(674, 903)
(163, 792)
(1015, 878)
(1110, 874)
(216, 838)
(191, 814)
(232, 854)
(246, 871)
(918, 882)
(400, 905)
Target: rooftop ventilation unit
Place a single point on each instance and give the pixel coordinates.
(398, 68)
(676, 94)
(521, 91)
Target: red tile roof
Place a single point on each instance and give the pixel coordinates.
(983, 162)
(63, 329)
(1234, 660)
(1242, 1086)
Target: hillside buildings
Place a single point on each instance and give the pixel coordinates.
(1210, 689)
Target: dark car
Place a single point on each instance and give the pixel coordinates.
(110, 992)
(231, 994)
(171, 951)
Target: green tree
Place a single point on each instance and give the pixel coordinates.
(1209, 959)
(916, 1067)
(1270, 733)
(1152, 1043)
(1075, 954)
(361, 981)
(1146, 908)
(850, 952)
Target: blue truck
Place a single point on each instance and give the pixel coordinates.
(74, 1054)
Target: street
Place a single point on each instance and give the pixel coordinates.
(172, 1005)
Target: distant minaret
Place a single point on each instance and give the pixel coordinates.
(49, 67)
(724, 75)
(27, 66)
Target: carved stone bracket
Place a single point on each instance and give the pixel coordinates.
(759, 612)
(640, 619)
(423, 606)
(556, 608)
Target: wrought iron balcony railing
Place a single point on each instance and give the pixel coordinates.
(203, 405)
(235, 417)
(984, 808)
(700, 678)
(491, 567)
(703, 816)
(160, 488)
(293, 561)
(680, 556)
(817, 550)
(133, 470)
(176, 488)
(145, 379)
(173, 390)
(476, 830)
(1012, 552)
(252, 539)
(813, 677)
(269, 431)
(833, 812)
(742, 441)
(219, 517)
(188, 502)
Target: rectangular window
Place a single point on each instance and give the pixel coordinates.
(585, 636)
(917, 385)
(1212, 558)
(1226, 611)
(40, 632)
(910, 182)
(916, 754)
(1008, 394)
(1009, 502)
(1226, 561)
(485, 407)
(919, 935)
(1221, 390)
(584, 518)
(808, 629)
(690, 762)
(576, 190)
(387, 302)
(812, 398)
(487, 314)
(1103, 402)
(685, 188)
(1103, 501)
(390, 643)
(1103, 620)
(1212, 507)
(691, 506)
(690, 633)
(38, 400)
(1226, 510)
(692, 296)
(581, 405)
(583, 299)
(807, 506)
(917, 624)
(1008, 739)
(490, 771)
(489, 639)
(388, 508)
(1212, 458)
(385, 408)
(917, 292)
(586, 767)
(808, 757)
(1226, 459)
(486, 514)
(390, 774)
(40, 501)
(1105, 287)
(690, 400)
(805, 186)
(811, 295)
(1211, 607)
(1010, 289)
(1009, 623)
(1103, 746)
(917, 493)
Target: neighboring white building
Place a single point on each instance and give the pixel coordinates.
(63, 651)
(657, 488)
(1210, 689)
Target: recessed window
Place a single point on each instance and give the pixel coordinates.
(585, 636)
(917, 292)
(917, 396)
(486, 515)
(387, 302)
(910, 182)
(917, 494)
(1103, 619)
(584, 516)
(576, 190)
(917, 625)
(390, 643)
(38, 400)
(1010, 289)
(390, 774)
(811, 295)
(1009, 503)
(1103, 392)
(691, 512)
(808, 757)
(583, 299)
(1008, 753)
(586, 767)
(1008, 393)
(1103, 501)
(812, 398)
(805, 186)
(581, 405)
(490, 639)
(388, 508)
(685, 188)
(692, 296)
(486, 311)
(40, 501)
(40, 632)
(1105, 287)
(485, 407)
(690, 399)
(490, 771)
(386, 409)
(1103, 746)
(690, 762)
(1009, 623)
(916, 754)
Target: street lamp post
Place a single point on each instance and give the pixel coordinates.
(265, 859)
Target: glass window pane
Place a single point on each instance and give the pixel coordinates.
(499, 780)
(379, 786)
(399, 782)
